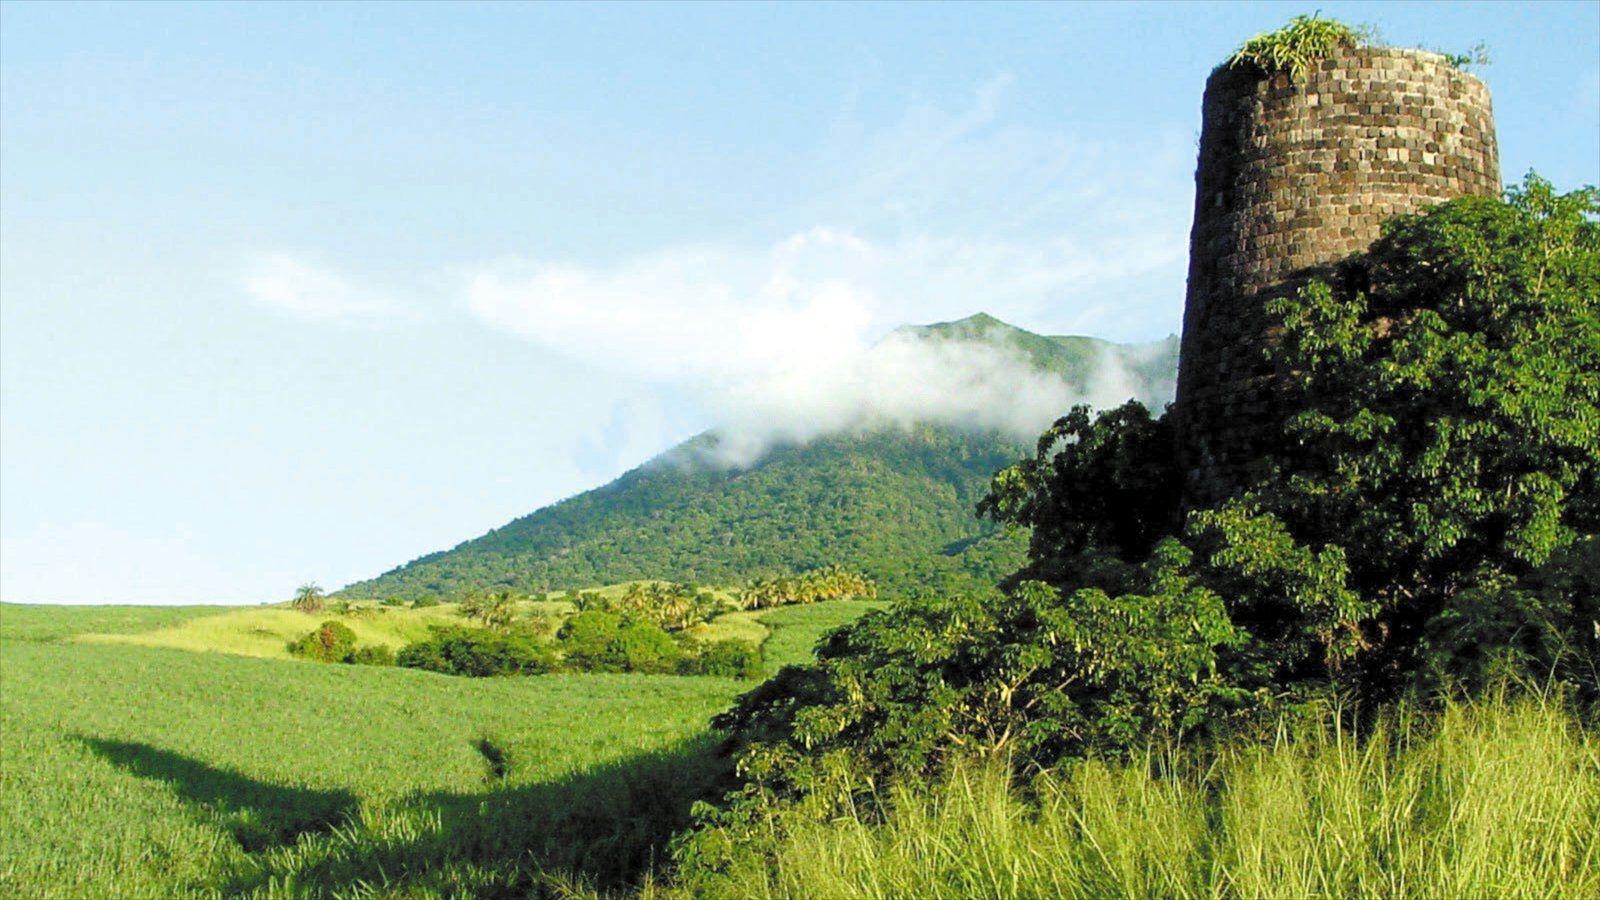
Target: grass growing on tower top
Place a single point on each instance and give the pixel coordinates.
(1298, 46)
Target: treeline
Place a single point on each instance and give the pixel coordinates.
(830, 583)
(653, 627)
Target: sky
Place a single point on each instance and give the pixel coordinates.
(298, 292)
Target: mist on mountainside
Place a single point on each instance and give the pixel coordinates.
(976, 374)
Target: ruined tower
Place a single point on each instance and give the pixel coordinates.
(1294, 175)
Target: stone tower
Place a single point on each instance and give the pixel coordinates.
(1295, 175)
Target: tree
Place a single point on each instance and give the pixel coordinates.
(494, 610)
(1446, 434)
(1442, 447)
(309, 598)
(1098, 490)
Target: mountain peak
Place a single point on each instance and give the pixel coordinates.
(977, 324)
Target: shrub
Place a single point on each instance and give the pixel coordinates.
(373, 655)
(1429, 519)
(723, 659)
(477, 653)
(586, 641)
(644, 647)
(424, 602)
(331, 642)
(599, 641)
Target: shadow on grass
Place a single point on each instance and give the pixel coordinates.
(602, 828)
(258, 814)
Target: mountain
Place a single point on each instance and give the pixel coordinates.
(894, 502)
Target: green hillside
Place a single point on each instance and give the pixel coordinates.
(894, 503)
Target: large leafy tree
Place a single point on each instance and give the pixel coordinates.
(1437, 474)
(1431, 510)
(1445, 434)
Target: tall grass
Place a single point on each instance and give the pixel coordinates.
(1495, 799)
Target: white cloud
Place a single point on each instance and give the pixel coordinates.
(303, 291)
(782, 345)
(942, 214)
(977, 383)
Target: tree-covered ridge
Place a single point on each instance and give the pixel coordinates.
(895, 504)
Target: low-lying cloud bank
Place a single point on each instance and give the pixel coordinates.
(979, 383)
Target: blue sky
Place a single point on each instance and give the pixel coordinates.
(296, 292)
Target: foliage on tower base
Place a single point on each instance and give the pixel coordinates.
(1430, 522)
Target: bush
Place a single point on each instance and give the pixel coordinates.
(424, 602)
(723, 659)
(331, 642)
(586, 641)
(373, 655)
(1424, 517)
(478, 653)
(644, 647)
(599, 641)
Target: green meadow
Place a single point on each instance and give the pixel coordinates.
(134, 766)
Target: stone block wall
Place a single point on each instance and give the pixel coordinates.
(1294, 176)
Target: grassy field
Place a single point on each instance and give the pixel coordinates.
(137, 770)
(20, 622)
(146, 771)
(1500, 799)
(265, 631)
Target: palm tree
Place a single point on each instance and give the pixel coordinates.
(309, 598)
(496, 610)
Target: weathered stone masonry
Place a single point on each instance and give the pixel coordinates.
(1293, 176)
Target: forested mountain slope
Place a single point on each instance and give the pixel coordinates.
(893, 502)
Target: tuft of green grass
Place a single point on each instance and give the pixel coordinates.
(1494, 799)
(1298, 46)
